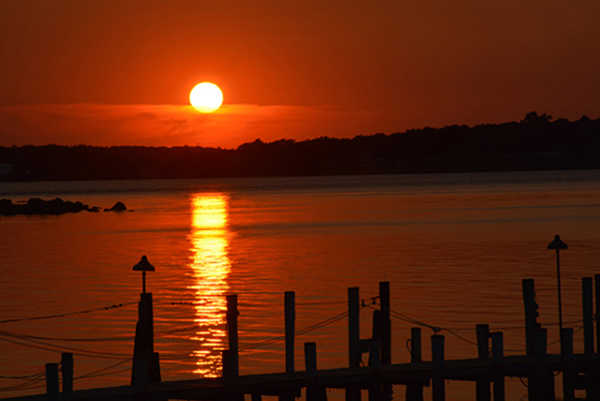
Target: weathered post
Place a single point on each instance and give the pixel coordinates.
(66, 364)
(531, 325)
(386, 333)
(353, 327)
(229, 373)
(310, 363)
(414, 389)
(232, 332)
(541, 382)
(52, 385)
(290, 328)
(597, 301)
(290, 317)
(587, 300)
(386, 323)
(482, 389)
(567, 359)
(438, 391)
(354, 352)
(498, 358)
(375, 391)
(231, 359)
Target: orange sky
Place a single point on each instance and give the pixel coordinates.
(119, 72)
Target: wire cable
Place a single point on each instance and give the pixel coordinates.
(77, 351)
(97, 373)
(305, 330)
(67, 314)
(92, 339)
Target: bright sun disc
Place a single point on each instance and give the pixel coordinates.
(206, 97)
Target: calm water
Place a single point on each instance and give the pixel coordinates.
(453, 247)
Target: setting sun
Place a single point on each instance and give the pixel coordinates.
(206, 97)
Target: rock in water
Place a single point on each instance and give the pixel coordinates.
(118, 207)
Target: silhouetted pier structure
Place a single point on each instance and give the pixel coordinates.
(487, 371)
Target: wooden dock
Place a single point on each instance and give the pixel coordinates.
(488, 371)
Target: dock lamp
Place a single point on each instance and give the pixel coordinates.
(144, 266)
(558, 245)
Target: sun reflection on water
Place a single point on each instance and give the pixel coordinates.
(210, 266)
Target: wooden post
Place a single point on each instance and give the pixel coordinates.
(587, 300)
(567, 358)
(482, 389)
(229, 368)
(531, 325)
(52, 385)
(230, 375)
(498, 358)
(353, 392)
(386, 323)
(375, 391)
(437, 377)
(66, 364)
(386, 333)
(597, 298)
(232, 333)
(414, 389)
(145, 368)
(353, 327)
(310, 362)
(290, 317)
(541, 382)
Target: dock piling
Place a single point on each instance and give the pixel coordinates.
(567, 360)
(482, 386)
(531, 313)
(386, 333)
(313, 392)
(52, 385)
(290, 317)
(498, 370)
(354, 344)
(145, 368)
(66, 369)
(438, 392)
(232, 333)
(375, 390)
(414, 389)
(587, 304)
(597, 302)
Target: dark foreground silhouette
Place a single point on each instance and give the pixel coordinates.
(535, 143)
(54, 206)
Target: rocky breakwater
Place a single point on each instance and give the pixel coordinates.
(35, 206)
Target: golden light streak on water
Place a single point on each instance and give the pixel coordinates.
(210, 265)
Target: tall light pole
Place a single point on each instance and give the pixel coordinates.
(557, 244)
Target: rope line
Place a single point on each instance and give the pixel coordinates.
(80, 352)
(67, 314)
(97, 373)
(30, 337)
(305, 330)
(26, 377)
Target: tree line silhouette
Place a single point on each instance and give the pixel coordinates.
(534, 143)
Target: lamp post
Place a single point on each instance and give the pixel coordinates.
(143, 266)
(557, 244)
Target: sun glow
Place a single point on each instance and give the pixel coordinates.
(210, 267)
(206, 97)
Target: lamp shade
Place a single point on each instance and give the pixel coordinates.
(143, 265)
(557, 243)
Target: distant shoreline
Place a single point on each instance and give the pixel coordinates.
(535, 143)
